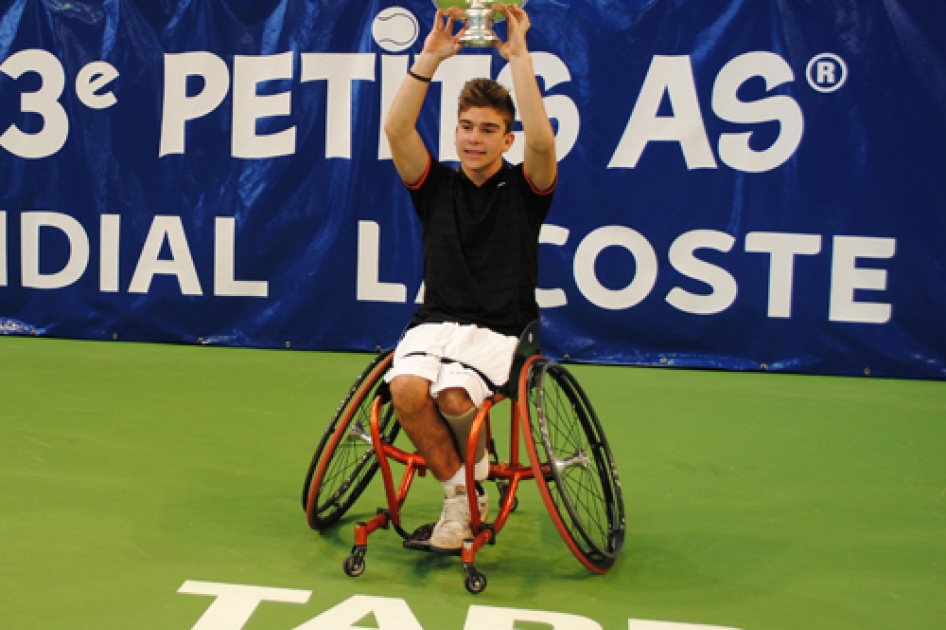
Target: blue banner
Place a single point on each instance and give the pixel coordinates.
(743, 185)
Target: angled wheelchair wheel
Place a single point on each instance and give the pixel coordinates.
(573, 465)
(345, 462)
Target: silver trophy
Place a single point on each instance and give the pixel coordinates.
(479, 16)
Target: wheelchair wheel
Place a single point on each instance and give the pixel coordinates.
(345, 462)
(573, 465)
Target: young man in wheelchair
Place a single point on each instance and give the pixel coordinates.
(481, 225)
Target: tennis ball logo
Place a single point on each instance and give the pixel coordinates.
(395, 29)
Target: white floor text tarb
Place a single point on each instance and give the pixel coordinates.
(234, 604)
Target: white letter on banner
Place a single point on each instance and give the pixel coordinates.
(248, 106)
(673, 76)
(646, 624)
(178, 106)
(495, 618)
(390, 613)
(453, 74)
(3, 248)
(225, 263)
(180, 265)
(44, 102)
(683, 260)
(393, 71)
(235, 603)
(846, 277)
(369, 288)
(340, 69)
(109, 228)
(644, 257)
(782, 249)
(554, 71)
(734, 149)
(92, 78)
(30, 224)
(552, 235)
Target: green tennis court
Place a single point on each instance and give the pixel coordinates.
(755, 501)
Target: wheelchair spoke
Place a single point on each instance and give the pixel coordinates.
(350, 473)
(590, 500)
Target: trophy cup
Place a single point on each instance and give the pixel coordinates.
(480, 17)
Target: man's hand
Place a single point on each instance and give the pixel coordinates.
(441, 43)
(517, 23)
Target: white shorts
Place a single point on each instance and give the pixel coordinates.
(426, 350)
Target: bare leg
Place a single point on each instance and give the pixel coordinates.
(420, 419)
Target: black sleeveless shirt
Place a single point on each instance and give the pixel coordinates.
(481, 248)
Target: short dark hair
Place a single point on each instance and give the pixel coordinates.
(488, 93)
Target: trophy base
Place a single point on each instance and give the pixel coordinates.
(479, 40)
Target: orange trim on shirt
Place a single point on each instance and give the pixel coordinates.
(420, 182)
(547, 191)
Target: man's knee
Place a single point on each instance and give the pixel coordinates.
(410, 394)
(454, 401)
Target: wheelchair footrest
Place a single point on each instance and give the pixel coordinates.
(420, 541)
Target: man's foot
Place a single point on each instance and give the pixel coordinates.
(454, 524)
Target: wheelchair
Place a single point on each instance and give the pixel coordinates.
(569, 458)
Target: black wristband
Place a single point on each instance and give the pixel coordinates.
(418, 77)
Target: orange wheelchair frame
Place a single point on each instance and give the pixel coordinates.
(568, 453)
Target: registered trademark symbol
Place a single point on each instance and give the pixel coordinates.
(826, 72)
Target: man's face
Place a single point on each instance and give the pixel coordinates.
(481, 139)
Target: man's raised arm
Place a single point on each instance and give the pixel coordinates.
(407, 148)
(540, 162)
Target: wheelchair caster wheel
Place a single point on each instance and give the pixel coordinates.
(475, 581)
(354, 565)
